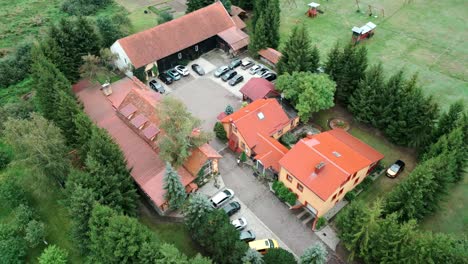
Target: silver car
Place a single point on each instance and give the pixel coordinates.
(221, 70)
(221, 198)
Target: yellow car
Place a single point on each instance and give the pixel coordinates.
(263, 245)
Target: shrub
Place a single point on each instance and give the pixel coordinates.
(164, 17)
(83, 7)
(288, 139)
(219, 131)
(366, 183)
(229, 110)
(283, 193)
(11, 193)
(279, 256)
(16, 66)
(140, 74)
(351, 195)
(4, 159)
(291, 198)
(243, 157)
(321, 222)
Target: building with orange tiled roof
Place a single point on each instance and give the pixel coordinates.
(270, 56)
(183, 38)
(126, 110)
(320, 169)
(255, 129)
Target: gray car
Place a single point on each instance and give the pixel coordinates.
(221, 70)
(156, 86)
(247, 236)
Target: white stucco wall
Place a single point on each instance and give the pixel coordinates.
(123, 61)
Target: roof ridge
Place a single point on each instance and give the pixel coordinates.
(269, 142)
(360, 141)
(325, 157)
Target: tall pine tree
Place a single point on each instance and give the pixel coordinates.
(449, 120)
(67, 109)
(387, 101)
(271, 16)
(175, 191)
(259, 39)
(298, 54)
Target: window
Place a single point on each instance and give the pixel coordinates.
(196, 47)
(356, 181)
(334, 197)
(300, 187)
(289, 178)
(242, 145)
(260, 115)
(341, 191)
(179, 55)
(234, 129)
(354, 175)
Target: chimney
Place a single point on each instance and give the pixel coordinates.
(310, 135)
(319, 166)
(106, 89)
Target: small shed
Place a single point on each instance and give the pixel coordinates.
(270, 56)
(313, 9)
(258, 88)
(364, 32)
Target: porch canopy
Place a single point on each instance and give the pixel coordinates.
(235, 37)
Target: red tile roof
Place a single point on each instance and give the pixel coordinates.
(128, 110)
(239, 23)
(235, 37)
(161, 41)
(340, 159)
(270, 151)
(270, 54)
(147, 168)
(151, 131)
(139, 120)
(258, 88)
(209, 151)
(235, 10)
(248, 121)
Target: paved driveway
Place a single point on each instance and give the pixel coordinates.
(265, 205)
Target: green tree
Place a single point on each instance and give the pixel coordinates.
(197, 208)
(308, 92)
(169, 254)
(109, 31)
(84, 128)
(193, 5)
(83, 7)
(53, 255)
(15, 66)
(227, 4)
(258, 9)
(222, 243)
(11, 193)
(259, 39)
(298, 53)
(229, 110)
(449, 120)
(39, 144)
(23, 215)
(252, 256)
(219, 131)
(108, 175)
(199, 259)
(315, 254)
(67, 109)
(271, 16)
(164, 17)
(80, 204)
(243, 157)
(333, 65)
(13, 247)
(363, 100)
(48, 82)
(182, 132)
(387, 101)
(35, 233)
(175, 191)
(279, 256)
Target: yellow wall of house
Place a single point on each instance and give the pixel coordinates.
(312, 199)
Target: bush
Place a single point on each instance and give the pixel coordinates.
(351, 195)
(229, 110)
(243, 157)
(288, 139)
(5, 159)
(283, 193)
(140, 74)
(279, 256)
(366, 183)
(15, 67)
(219, 131)
(11, 193)
(83, 7)
(164, 17)
(321, 222)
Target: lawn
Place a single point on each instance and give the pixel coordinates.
(141, 21)
(424, 36)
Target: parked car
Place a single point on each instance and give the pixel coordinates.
(198, 69)
(221, 198)
(232, 208)
(269, 76)
(228, 75)
(165, 78)
(395, 169)
(247, 236)
(157, 86)
(235, 63)
(263, 245)
(221, 70)
(247, 64)
(173, 74)
(239, 223)
(255, 68)
(262, 71)
(236, 79)
(182, 70)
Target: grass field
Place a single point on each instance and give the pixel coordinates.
(141, 21)
(425, 36)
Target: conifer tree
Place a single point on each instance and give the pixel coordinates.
(387, 101)
(259, 39)
(298, 54)
(109, 31)
(227, 4)
(315, 254)
(449, 120)
(198, 206)
(193, 5)
(84, 127)
(258, 9)
(67, 109)
(175, 191)
(333, 65)
(271, 16)
(252, 256)
(53, 255)
(363, 99)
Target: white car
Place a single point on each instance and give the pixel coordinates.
(221, 198)
(239, 223)
(255, 68)
(182, 70)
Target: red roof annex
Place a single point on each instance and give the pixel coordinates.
(258, 88)
(270, 54)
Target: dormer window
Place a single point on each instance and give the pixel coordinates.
(260, 115)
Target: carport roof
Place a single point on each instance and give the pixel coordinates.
(271, 55)
(235, 37)
(161, 41)
(258, 88)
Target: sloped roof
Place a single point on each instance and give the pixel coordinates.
(340, 159)
(257, 88)
(239, 23)
(269, 151)
(163, 40)
(235, 10)
(265, 116)
(235, 37)
(271, 55)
